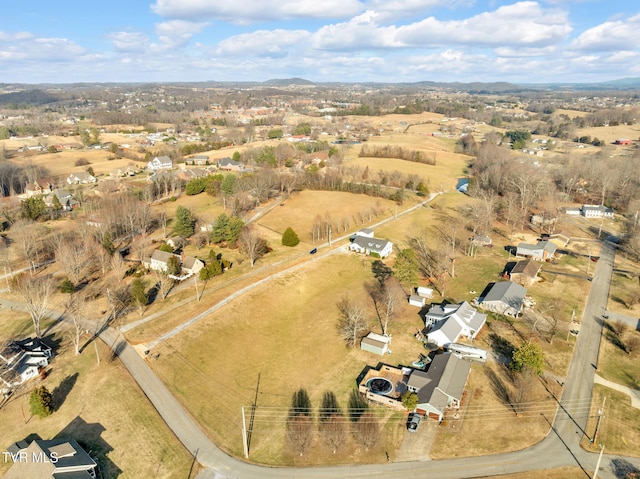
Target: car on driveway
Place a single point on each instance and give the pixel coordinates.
(413, 422)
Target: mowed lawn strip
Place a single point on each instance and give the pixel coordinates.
(283, 335)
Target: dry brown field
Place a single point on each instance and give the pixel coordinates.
(285, 333)
(99, 405)
(302, 208)
(485, 415)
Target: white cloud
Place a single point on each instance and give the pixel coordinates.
(251, 12)
(177, 33)
(28, 48)
(10, 37)
(523, 23)
(129, 41)
(394, 9)
(611, 35)
(263, 43)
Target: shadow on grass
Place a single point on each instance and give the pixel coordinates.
(89, 436)
(60, 393)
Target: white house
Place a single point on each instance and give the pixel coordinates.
(81, 178)
(541, 251)
(21, 360)
(446, 323)
(160, 163)
(366, 245)
(189, 265)
(596, 211)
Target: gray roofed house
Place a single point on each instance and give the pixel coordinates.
(504, 297)
(56, 458)
(229, 164)
(596, 211)
(159, 259)
(21, 360)
(160, 163)
(447, 322)
(366, 245)
(442, 385)
(541, 251)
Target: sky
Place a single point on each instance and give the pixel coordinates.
(543, 41)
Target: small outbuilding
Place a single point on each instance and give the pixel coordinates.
(415, 300)
(375, 343)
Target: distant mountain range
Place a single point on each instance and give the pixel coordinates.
(39, 94)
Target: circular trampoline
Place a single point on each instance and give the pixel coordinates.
(380, 386)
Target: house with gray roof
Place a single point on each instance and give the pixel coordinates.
(596, 211)
(441, 387)
(160, 163)
(159, 261)
(446, 323)
(367, 245)
(541, 251)
(21, 360)
(56, 458)
(503, 297)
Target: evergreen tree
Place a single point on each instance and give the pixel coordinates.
(56, 203)
(290, 238)
(185, 222)
(173, 266)
(40, 402)
(33, 208)
(139, 295)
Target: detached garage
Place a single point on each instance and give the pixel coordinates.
(376, 343)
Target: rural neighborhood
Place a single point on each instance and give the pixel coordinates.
(275, 279)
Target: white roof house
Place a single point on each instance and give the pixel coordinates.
(160, 163)
(21, 360)
(446, 323)
(81, 177)
(366, 245)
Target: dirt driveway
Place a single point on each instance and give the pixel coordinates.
(416, 446)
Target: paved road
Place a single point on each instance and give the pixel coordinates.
(560, 448)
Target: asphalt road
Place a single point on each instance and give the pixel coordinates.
(560, 448)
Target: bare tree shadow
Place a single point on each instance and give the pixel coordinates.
(60, 393)
(622, 468)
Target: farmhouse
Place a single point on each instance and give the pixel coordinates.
(596, 211)
(160, 163)
(504, 297)
(375, 343)
(446, 323)
(371, 246)
(22, 360)
(56, 458)
(541, 251)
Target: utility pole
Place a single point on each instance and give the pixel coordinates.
(600, 415)
(595, 473)
(245, 446)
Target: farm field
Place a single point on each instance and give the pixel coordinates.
(285, 334)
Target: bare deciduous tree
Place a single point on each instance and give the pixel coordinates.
(300, 433)
(26, 235)
(74, 312)
(352, 322)
(252, 244)
(35, 291)
(366, 430)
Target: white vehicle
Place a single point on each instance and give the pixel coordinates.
(467, 352)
